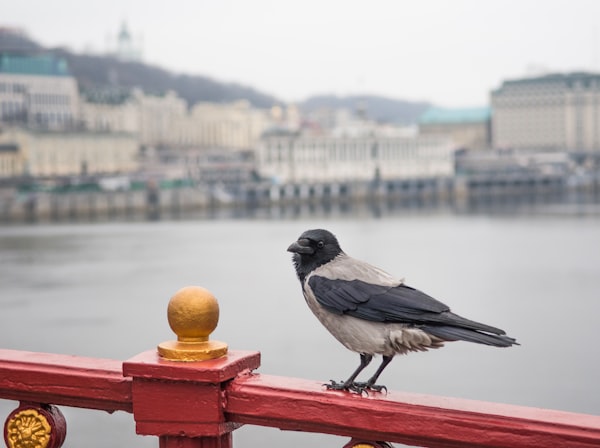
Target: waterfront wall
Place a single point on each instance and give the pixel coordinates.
(34, 206)
(65, 206)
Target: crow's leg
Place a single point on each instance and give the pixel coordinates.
(370, 384)
(365, 359)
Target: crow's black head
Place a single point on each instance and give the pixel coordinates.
(313, 249)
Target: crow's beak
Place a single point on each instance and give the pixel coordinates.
(302, 246)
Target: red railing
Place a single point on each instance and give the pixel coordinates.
(199, 404)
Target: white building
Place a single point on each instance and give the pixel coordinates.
(161, 118)
(234, 125)
(44, 153)
(558, 112)
(10, 161)
(164, 121)
(114, 113)
(315, 159)
(37, 91)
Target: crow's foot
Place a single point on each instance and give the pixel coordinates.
(366, 387)
(334, 385)
(358, 388)
(345, 386)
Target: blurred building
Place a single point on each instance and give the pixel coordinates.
(109, 110)
(468, 128)
(41, 153)
(298, 158)
(37, 91)
(127, 47)
(163, 121)
(203, 166)
(557, 112)
(161, 118)
(10, 160)
(234, 125)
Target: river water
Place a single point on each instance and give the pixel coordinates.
(101, 290)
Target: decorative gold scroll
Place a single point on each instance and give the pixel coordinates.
(28, 429)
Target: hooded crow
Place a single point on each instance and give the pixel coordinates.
(373, 313)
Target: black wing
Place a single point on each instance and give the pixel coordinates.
(401, 304)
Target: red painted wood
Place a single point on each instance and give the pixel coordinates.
(150, 365)
(184, 398)
(413, 419)
(57, 420)
(354, 442)
(64, 380)
(179, 408)
(223, 441)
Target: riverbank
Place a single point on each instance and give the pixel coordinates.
(461, 193)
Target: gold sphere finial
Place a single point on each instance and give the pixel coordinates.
(193, 314)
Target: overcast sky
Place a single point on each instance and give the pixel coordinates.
(449, 52)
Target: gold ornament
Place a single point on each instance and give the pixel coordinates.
(28, 429)
(193, 314)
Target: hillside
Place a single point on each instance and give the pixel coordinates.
(378, 108)
(93, 72)
(99, 72)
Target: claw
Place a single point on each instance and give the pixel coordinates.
(359, 388)
(374, 387)
(334, 385)
(342, 385)
(378, 388)
(356, 387)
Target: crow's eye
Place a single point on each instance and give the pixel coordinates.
(320, 244)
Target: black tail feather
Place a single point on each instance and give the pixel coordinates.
(459, 321)
(448, 333)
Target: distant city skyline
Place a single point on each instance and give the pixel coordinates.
(451, 54)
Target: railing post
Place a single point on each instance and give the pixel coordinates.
(178, 390)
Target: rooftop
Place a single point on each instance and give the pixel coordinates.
(40, 65)
(566, 79)
(436, 115)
